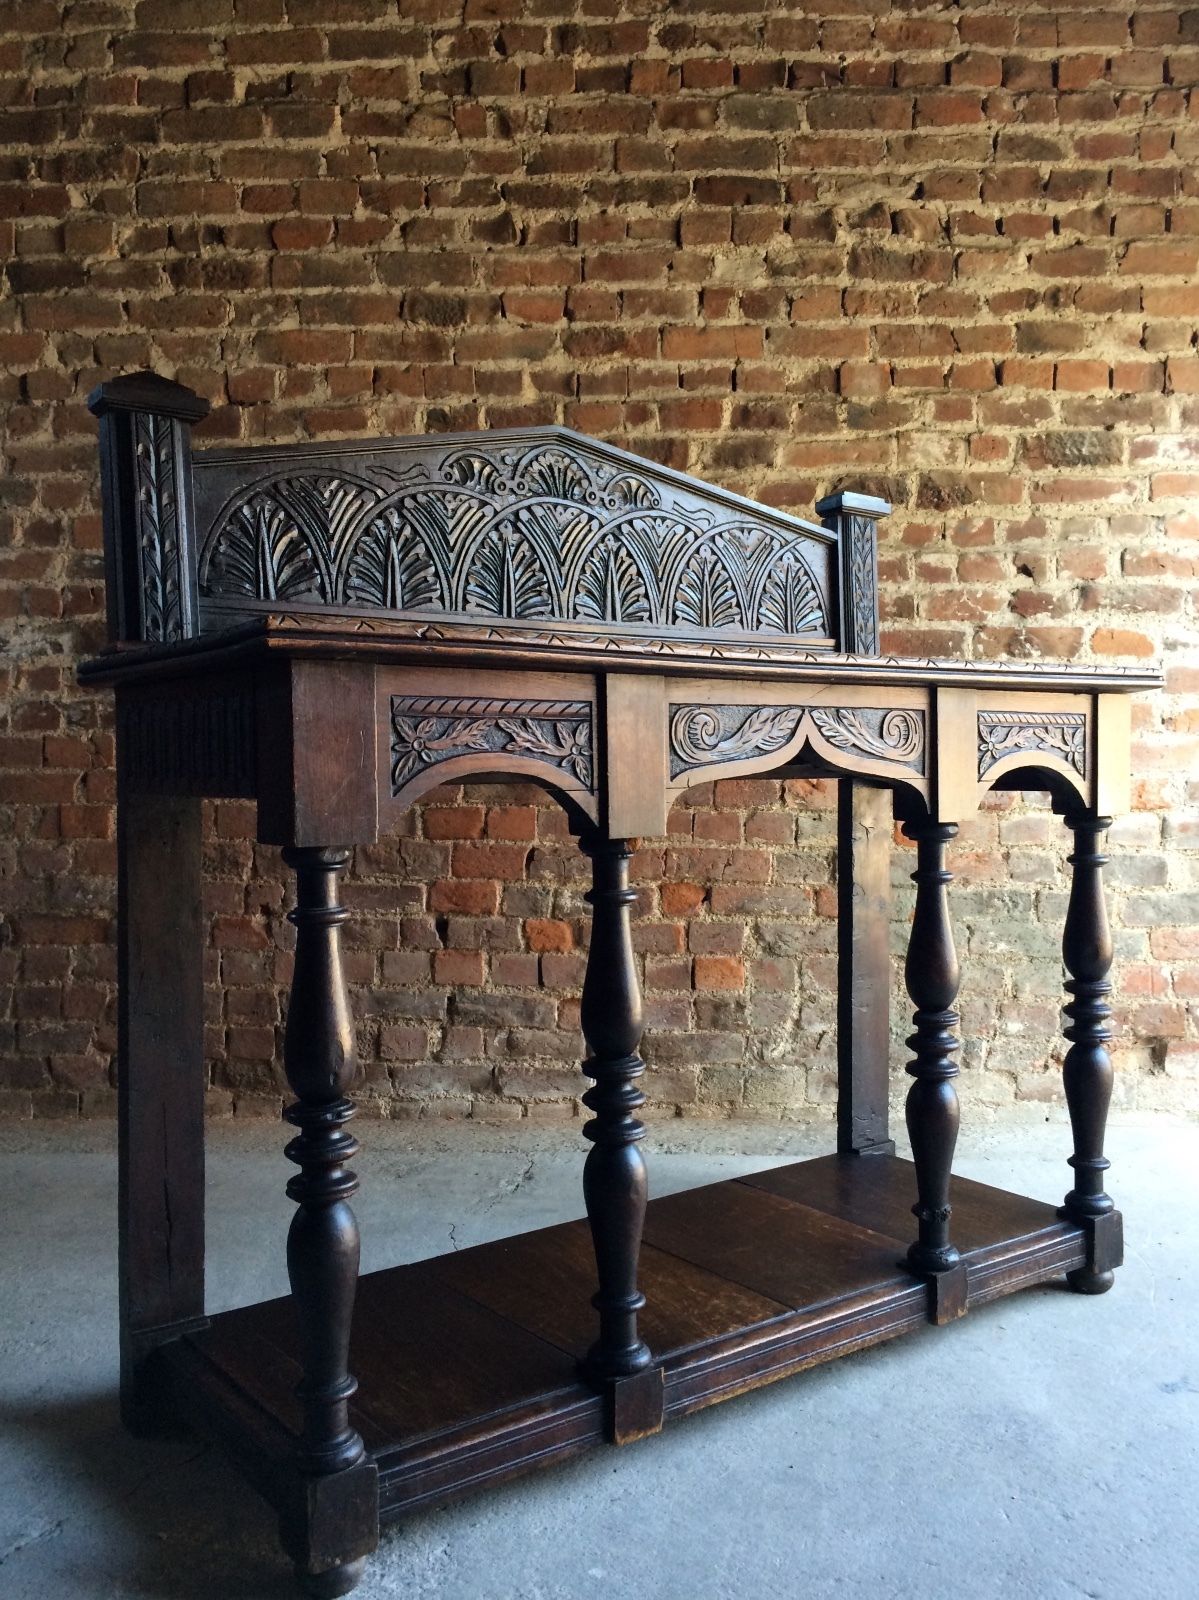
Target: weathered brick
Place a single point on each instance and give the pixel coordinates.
(985, 310)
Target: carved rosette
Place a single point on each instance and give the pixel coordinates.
(542, 533)
(427, 730)
(704, 736)
(1053, 733)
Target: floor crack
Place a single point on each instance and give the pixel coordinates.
(50, 1532)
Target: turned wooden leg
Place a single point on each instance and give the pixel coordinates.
(932, 977)
(160, 1087)
(1087, 1073)
(322, 1244)
(614, 1177)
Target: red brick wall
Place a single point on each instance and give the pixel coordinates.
(946, 253)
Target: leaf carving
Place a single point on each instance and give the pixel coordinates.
(499, 528)
(790, 601)
(700, 735)
(158, 528)
(900, 735)
(611, 588)
(428, 730)
(390, 566)
(706, 595)
(507, 580)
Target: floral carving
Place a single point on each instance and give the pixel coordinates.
(1054, 733)
(702, 736)
(427, 730)
(519, 532)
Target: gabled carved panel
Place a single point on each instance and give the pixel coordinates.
(704, 736)
(1055, 733)
(427, 730)
(530, 530)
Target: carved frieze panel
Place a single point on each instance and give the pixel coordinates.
(1055, 733)
(704, 736)
(180, 743)
(427, 730)
(539, 531)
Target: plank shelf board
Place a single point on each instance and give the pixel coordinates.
(468, 1363)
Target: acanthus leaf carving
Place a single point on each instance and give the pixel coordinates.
(702, 736)
(899, 735)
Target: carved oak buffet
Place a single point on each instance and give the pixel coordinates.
(334, 630)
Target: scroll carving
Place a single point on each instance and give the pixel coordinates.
(1055, 733)
(889, 735)
(702, 736)
(427, 730)
(541, 532)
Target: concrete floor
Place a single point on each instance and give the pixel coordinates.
(1047, 1446)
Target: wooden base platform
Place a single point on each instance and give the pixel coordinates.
(467, 1364)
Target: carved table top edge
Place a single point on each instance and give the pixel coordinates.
(440, 642)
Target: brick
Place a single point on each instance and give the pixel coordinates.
(333, 214)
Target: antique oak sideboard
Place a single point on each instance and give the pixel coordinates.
(332, 630)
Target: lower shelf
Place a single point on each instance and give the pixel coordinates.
(466, 1364)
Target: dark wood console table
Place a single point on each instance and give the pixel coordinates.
(334, 630)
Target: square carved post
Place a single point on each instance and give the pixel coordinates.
(146, 482)
(854, 518)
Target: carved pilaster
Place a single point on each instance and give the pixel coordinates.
(322, 1245)
(614, 1178)
(932, 977)
(854, 518)
(1087, 1072)
(146, 480)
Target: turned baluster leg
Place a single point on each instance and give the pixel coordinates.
(615, 1186)
(322, 1244)
(1087, 1073)
(932, 978)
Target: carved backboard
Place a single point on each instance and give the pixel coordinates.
(529, 533)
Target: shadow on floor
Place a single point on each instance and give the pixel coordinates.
(179, 1523)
